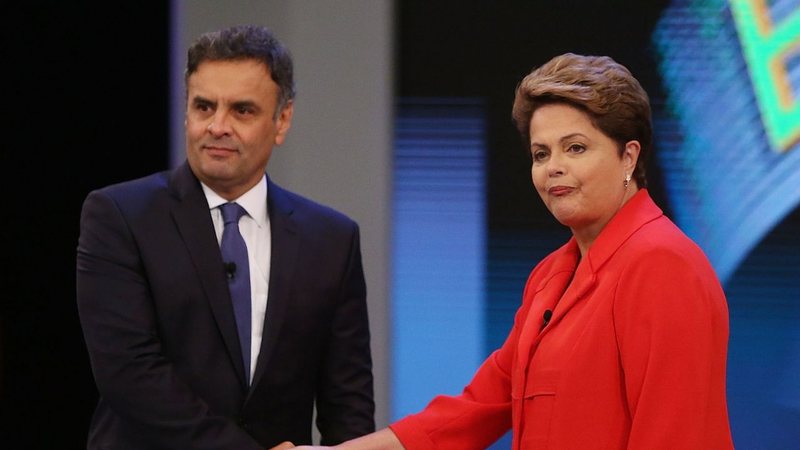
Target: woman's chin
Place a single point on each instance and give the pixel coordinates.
(565, 216)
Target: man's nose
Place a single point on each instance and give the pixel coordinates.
(219, 125)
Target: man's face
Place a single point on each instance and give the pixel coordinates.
(231, 125)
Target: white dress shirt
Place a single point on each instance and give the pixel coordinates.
(255, 229)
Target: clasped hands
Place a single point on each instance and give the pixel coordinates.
(287, 445)
(384, 439)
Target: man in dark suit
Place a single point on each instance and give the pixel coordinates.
(180, 360)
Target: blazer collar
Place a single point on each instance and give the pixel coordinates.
(191, 215)
(194, 223)
(183, 183)
(637, 212)
(285, 247)
(564, 284)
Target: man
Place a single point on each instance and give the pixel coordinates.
(218, 308)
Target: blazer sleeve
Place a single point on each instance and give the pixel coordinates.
(472, 420)
(477, 417)
(120, 328)
(671, 321)
(345, 405)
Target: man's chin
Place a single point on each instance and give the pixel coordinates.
(213, 172)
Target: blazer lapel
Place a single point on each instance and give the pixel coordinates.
(639, 210)
(285, 247)
(583, 280)
(195, 226)
(548, 293)
(559, 291)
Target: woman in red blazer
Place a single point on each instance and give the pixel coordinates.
(621, 339)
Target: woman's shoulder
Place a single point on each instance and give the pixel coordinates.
(660, 250)
(661, 237)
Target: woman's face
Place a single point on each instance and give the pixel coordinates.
(577, 170)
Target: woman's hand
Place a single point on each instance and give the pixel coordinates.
(384, 439)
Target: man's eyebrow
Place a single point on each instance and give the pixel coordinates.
(245, 104)
(197, 100)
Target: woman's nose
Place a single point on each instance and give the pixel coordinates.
(554, 165)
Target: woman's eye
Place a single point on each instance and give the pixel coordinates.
(576, 148)
(539, 155)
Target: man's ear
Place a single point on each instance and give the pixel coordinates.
(284, 122)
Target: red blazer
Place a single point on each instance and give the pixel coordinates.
(632, 358)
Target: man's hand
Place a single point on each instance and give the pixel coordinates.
(384, 439)
(283, 446)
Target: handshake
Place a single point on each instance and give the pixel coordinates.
(288, 445)
(384, 439)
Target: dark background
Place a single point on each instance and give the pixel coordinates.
(483, 49)
(88, 82)
(88, 86)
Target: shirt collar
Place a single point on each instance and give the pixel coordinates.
(253, 201)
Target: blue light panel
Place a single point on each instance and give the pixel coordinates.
(439, 249)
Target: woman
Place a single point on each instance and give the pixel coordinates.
(621, 339)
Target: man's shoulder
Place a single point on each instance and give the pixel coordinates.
(305, 208)
(139, 186)
(136, 195)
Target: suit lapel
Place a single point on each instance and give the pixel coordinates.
(285, 244)
(197, 230)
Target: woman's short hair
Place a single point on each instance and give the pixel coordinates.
(607, 91)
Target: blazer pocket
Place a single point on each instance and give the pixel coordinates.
(537, 399)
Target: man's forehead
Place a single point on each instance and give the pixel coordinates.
(233, 80)
(254, 64)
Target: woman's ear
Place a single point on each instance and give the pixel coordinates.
(630, 156)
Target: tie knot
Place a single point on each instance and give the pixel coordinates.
(231, 212)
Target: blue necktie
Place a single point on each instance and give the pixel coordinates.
(237, 267)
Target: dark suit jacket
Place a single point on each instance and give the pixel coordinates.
(159, 326)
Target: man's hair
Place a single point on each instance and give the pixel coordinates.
(245, 42)
(605, 90)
